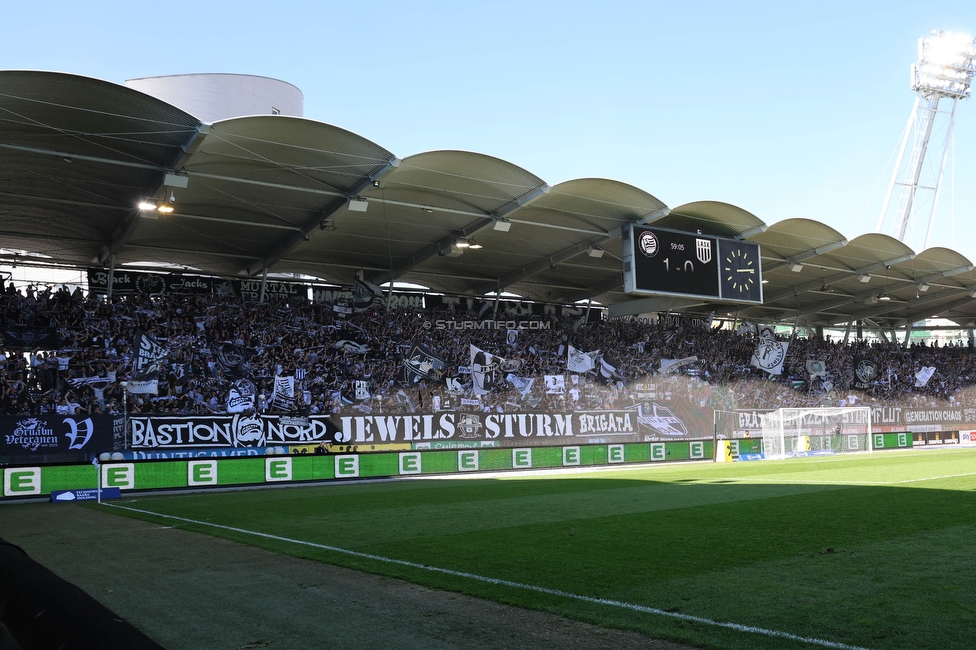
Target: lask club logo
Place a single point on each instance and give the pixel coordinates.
(703, 249)
(663, 420)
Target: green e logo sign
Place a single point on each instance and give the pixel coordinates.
(21, 481)
(468, 461)
(571, 456)
(201, 472)
(521, 458)
(121, 476)
(615, 453)
(346, 466)
(409, 463)
(277, 469)
(657, 451)
(696, 449)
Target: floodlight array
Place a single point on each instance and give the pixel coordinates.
(946, 65)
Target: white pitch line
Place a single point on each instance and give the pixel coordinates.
(811, 481)
(786, 481)
(934, 478)
(509, 583)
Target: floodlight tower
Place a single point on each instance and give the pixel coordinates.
(945, 69)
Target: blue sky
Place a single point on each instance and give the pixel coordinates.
(784, 109)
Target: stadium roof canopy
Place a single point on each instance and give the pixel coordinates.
(296, 196)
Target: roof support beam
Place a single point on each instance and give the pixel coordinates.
(880, 309)
(544, 263)
(431, 250)
(555, 226)
(928, 279)
(615, 282)
(517, 203)
(444, 243)
(62, 201)
(553, 260)
(752, 231)
(962, 302)
(278, 250)
(77, 156)
(807, 255)
(130, 222)
(816, 284)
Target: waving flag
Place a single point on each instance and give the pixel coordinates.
(579, 361)
(522, 384)
(148, 360)
(923, 375)
(770, 355)
(419, 364)
(484, 370)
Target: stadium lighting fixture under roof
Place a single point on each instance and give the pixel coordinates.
(945, 69)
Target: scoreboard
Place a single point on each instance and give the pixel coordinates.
(665, 262)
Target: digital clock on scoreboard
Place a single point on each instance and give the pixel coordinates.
(667, 262)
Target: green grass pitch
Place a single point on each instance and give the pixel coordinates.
(864, 551)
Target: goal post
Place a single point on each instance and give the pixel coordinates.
(792, 432)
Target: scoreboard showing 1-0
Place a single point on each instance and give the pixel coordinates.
(667, 262)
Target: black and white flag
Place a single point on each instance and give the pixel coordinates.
(923, 375)
(148, 360)
(417, 365)
(770, 355)
(232, 359)
(283, 393)
(522, 384)
(865, 373)
(608, 368)
(579, 361)
(484, 370)
(354, 347)
(365, 294)
(673, 365)
(361, 390)
(816, 368)
(81, 382)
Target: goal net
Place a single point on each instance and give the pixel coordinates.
(790, 432)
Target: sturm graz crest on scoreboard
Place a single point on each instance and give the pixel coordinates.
(648, 244)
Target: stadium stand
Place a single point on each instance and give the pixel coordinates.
(349, 363)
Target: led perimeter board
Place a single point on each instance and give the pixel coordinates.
(665, 262)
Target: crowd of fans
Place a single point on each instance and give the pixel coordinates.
(213, 342)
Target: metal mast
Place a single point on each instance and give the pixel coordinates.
(945, 69)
